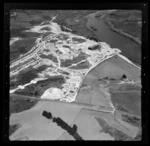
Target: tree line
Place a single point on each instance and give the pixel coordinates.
(71, 130)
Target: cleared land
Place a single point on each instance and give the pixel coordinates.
(91, 129)
(13, 128)
(20, 104)
(118, 135)
(36, 126)
(84, 97)
(114, 68)
(87, 112)
(112, 71)
(130, 100)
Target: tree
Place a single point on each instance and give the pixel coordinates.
(124, 76)
(75, 127)
(47, 114)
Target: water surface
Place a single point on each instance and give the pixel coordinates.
(129, 48)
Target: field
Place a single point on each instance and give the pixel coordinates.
(118, 135)
(129, 100)
(113, 68)
(34, 124)
(84, 97)
(13, 128)
(100, 123)
(37, 127)
(18, 104)
(107, 106)
(133, 120)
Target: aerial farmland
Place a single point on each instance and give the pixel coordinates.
(66, 83)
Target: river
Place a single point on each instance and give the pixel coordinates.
(129, 48)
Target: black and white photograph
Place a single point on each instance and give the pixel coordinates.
(75, 74)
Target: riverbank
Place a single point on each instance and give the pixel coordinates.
(115, 39)
(108, 22)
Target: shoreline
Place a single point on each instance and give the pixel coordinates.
(103, 17)
(111, 26)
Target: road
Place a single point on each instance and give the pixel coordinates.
(83, 105)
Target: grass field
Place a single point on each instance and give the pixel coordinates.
(36, 127)
(116, 134)
(92, 124)
(129, 100)
(13, 128)
(84, 97)
(19, 104)
(114, 68)
(129, 87)
(91, 129)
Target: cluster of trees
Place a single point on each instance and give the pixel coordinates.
(76, 32)
(13, 83)
(107, 78)
(88, 37)
(124, 77)
(13, 128)
(48, 115)
(93, 38)
(121, 108)
(133, 120)
(71, 130)
(38, 89)
(18, 104)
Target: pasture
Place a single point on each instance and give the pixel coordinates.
(130, 100)
(36, 127)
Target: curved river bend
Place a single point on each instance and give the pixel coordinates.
(129, 48)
